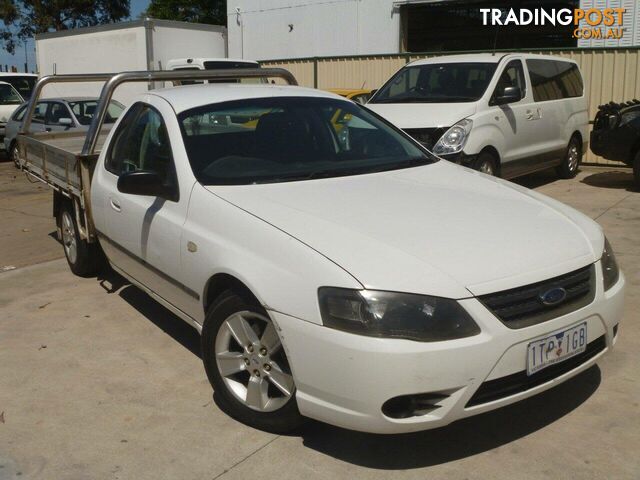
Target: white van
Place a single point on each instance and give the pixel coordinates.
(505, 115)
(10, 99)
(214, 64)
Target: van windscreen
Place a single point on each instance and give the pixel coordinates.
(437, 83)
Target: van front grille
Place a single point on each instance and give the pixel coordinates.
(525, 306)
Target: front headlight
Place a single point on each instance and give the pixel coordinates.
(610, 270)
(454, 139)
(395, 315)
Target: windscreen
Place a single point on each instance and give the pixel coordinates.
(85, 109)
(437, 83)
(23, 84)
(281, 139)
(8, 95)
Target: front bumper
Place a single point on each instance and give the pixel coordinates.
(345, 379)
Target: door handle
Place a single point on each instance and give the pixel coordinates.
(529, 115)
(115, 204)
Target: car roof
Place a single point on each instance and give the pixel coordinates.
(17, 74)
(483, 58)
(190, 96)
(68, 99)
(212, 59)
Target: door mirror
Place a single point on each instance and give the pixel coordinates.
(66, 122)
(145, 183)
(508, 95)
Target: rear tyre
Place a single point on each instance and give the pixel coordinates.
(572, 159)
(486, 163)
(82, 257)
(636, 169)
(247, 366)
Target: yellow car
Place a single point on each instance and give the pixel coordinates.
(357, 95)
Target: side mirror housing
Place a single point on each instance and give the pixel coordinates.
(145, 183)
(67, 122)
(508, 95)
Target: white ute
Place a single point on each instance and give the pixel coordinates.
(335, 268)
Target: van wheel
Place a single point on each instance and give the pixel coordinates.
(486, 163)
(247, 365)
(636, 169)
(82, 257)
(572, 159)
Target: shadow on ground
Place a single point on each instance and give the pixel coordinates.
(169, 323)
(537, 179)
(615, 179)
(459, 440)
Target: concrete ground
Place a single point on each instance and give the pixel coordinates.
(97, 381)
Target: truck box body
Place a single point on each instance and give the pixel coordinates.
(130, 46)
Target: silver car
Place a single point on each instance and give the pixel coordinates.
(57, 114)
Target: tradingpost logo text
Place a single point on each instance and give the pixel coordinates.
(596, 22)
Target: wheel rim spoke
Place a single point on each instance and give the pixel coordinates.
(282, 381)
(270, 339)
(257, 393)
(230, 363)
(241, 330)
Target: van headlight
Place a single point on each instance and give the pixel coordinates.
(610, 270)
(454, 139)
(395, 315)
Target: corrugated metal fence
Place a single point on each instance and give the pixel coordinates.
(609, 74)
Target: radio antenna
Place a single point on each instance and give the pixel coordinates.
(495, 42)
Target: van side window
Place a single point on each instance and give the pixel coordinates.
(554, 80)
(512, 76)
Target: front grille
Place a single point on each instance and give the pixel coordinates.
(428, 137)
(503, 387)
(522, 307)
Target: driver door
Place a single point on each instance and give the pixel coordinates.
(143, 232)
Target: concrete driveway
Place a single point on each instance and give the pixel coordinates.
(97, 381)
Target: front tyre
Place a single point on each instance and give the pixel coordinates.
(247, 365)
(82, 257)
(569, 166)
(486, 163)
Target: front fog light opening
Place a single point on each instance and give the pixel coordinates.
(417, 405)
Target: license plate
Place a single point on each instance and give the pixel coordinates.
(556, 348)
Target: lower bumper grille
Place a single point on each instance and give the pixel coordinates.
(519, 382)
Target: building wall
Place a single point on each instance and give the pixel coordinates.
(631, 23)
(306, 28)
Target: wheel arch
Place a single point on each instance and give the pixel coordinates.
(221, 282)
(494, 152)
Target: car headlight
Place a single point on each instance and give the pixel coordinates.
(395, 315)
(454, 139)
(610, 270)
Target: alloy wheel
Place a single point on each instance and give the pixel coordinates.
(252, 363)
(573, 157)
(69, 237)
(487, 167)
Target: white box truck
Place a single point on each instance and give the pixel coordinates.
(139, 45)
